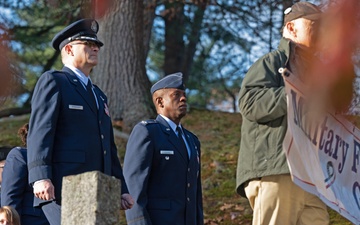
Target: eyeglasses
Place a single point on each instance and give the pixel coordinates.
(90, 44)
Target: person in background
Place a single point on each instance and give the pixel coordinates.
(162, 162)
(16, 191)
(4, 151)
(263, 174)
(9, 216)
(70, 129)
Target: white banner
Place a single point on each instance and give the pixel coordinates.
(323, 153)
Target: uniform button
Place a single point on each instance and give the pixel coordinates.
(188, 169)
(188, 185)
(99, 121)
(104, 152)
(188, 199)
(102, 136)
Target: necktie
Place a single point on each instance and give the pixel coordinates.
(91, 94)
(183, 145)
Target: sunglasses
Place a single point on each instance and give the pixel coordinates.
(90, 44)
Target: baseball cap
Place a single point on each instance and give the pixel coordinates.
(304, 10)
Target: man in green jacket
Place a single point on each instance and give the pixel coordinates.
(263, 175)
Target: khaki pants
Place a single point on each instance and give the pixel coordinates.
(276, 200)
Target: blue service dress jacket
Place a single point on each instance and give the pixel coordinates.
(15, 190)
(165, 183)
(68, 135)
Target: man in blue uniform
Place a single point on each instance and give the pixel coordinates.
(162, 162)
(70, 127)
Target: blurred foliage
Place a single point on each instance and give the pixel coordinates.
(27, 28)
(221, 39)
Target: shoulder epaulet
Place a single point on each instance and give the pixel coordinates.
(54, 71)
(146, 122)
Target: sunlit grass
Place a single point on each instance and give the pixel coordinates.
(219, 134)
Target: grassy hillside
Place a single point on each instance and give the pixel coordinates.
(219, 134)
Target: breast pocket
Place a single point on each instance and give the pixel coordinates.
(167, 154)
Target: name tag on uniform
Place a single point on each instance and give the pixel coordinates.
(76, 107)
(166, 152)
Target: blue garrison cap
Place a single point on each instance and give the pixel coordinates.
(84, 29)
(174, 80)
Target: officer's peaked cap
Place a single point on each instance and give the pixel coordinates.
(84, 29)
(174, 80)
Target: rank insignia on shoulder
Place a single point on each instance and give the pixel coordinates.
(145, 122)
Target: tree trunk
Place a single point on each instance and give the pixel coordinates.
(149, 16)
(121, 72)
(174, 37)
(178, 55)
(193, 39)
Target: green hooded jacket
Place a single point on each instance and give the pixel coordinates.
(262, 104)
